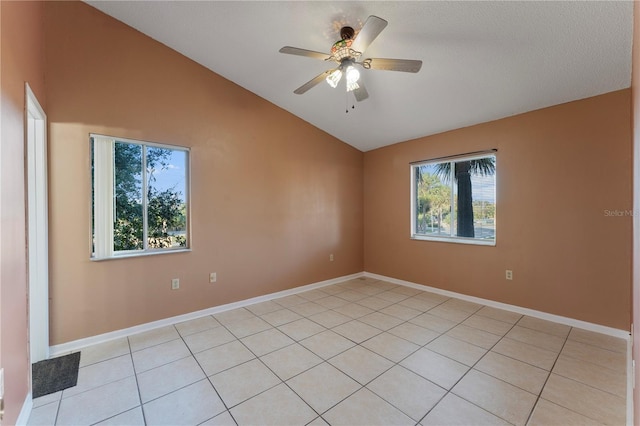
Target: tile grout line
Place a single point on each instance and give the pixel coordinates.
(258, 358)
(424, 346)
(589, 385)
(135, 375)
(356, 344)
(394, 363)
(539, 396)
(449, 391)
(398, 362)
(55, 421)
(224, 404)
(108, 383)
(318, 415)
(335, 355)
(550, 371)
(497, 378)
(569, 378)
(420, 346)
(354, 288)
(179, 359)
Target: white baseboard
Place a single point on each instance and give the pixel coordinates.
(75, 345)
(630, 379)
(81, 343)
(25, 412)
(622, 334)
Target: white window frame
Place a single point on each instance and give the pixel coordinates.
(449, 238)
(102, 231)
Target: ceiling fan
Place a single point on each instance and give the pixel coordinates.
(347, 53)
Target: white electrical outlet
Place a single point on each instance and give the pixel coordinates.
(175, 284)
(213, 277)
(509, 274)
(331, 257)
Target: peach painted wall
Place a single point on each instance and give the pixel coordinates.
(635, 108)
(22, 60)
(558, 169)
(272, 196)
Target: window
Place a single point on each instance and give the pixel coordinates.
(139, 197)
(454, 199)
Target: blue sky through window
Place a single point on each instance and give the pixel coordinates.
(174, 176)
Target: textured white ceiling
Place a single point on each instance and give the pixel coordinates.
(481, 60)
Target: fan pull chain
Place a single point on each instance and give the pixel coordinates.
(346, 103)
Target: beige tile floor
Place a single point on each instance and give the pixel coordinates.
(362, 352)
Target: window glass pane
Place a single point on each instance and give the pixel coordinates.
(166, 195)
(128, 226)
(475, 198)
(456, 199)
(454, 188)
(484, 206)
(433, 201)
(93, 191)
(140, 197)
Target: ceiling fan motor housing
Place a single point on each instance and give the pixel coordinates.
(341, 49)
(347, 33)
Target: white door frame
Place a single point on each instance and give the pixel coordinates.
(37, 231)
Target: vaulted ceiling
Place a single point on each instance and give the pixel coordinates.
(482, 60)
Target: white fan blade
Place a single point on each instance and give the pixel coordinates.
(370, 30)
(405, 65)
(304, 52)
(313, 82)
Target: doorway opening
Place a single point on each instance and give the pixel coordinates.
(37, 230)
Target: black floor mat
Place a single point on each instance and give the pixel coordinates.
(56, 374)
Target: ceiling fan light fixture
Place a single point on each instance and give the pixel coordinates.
(353, 75)
(334, 78)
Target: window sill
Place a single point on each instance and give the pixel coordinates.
(469, 241)
(142, 254)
